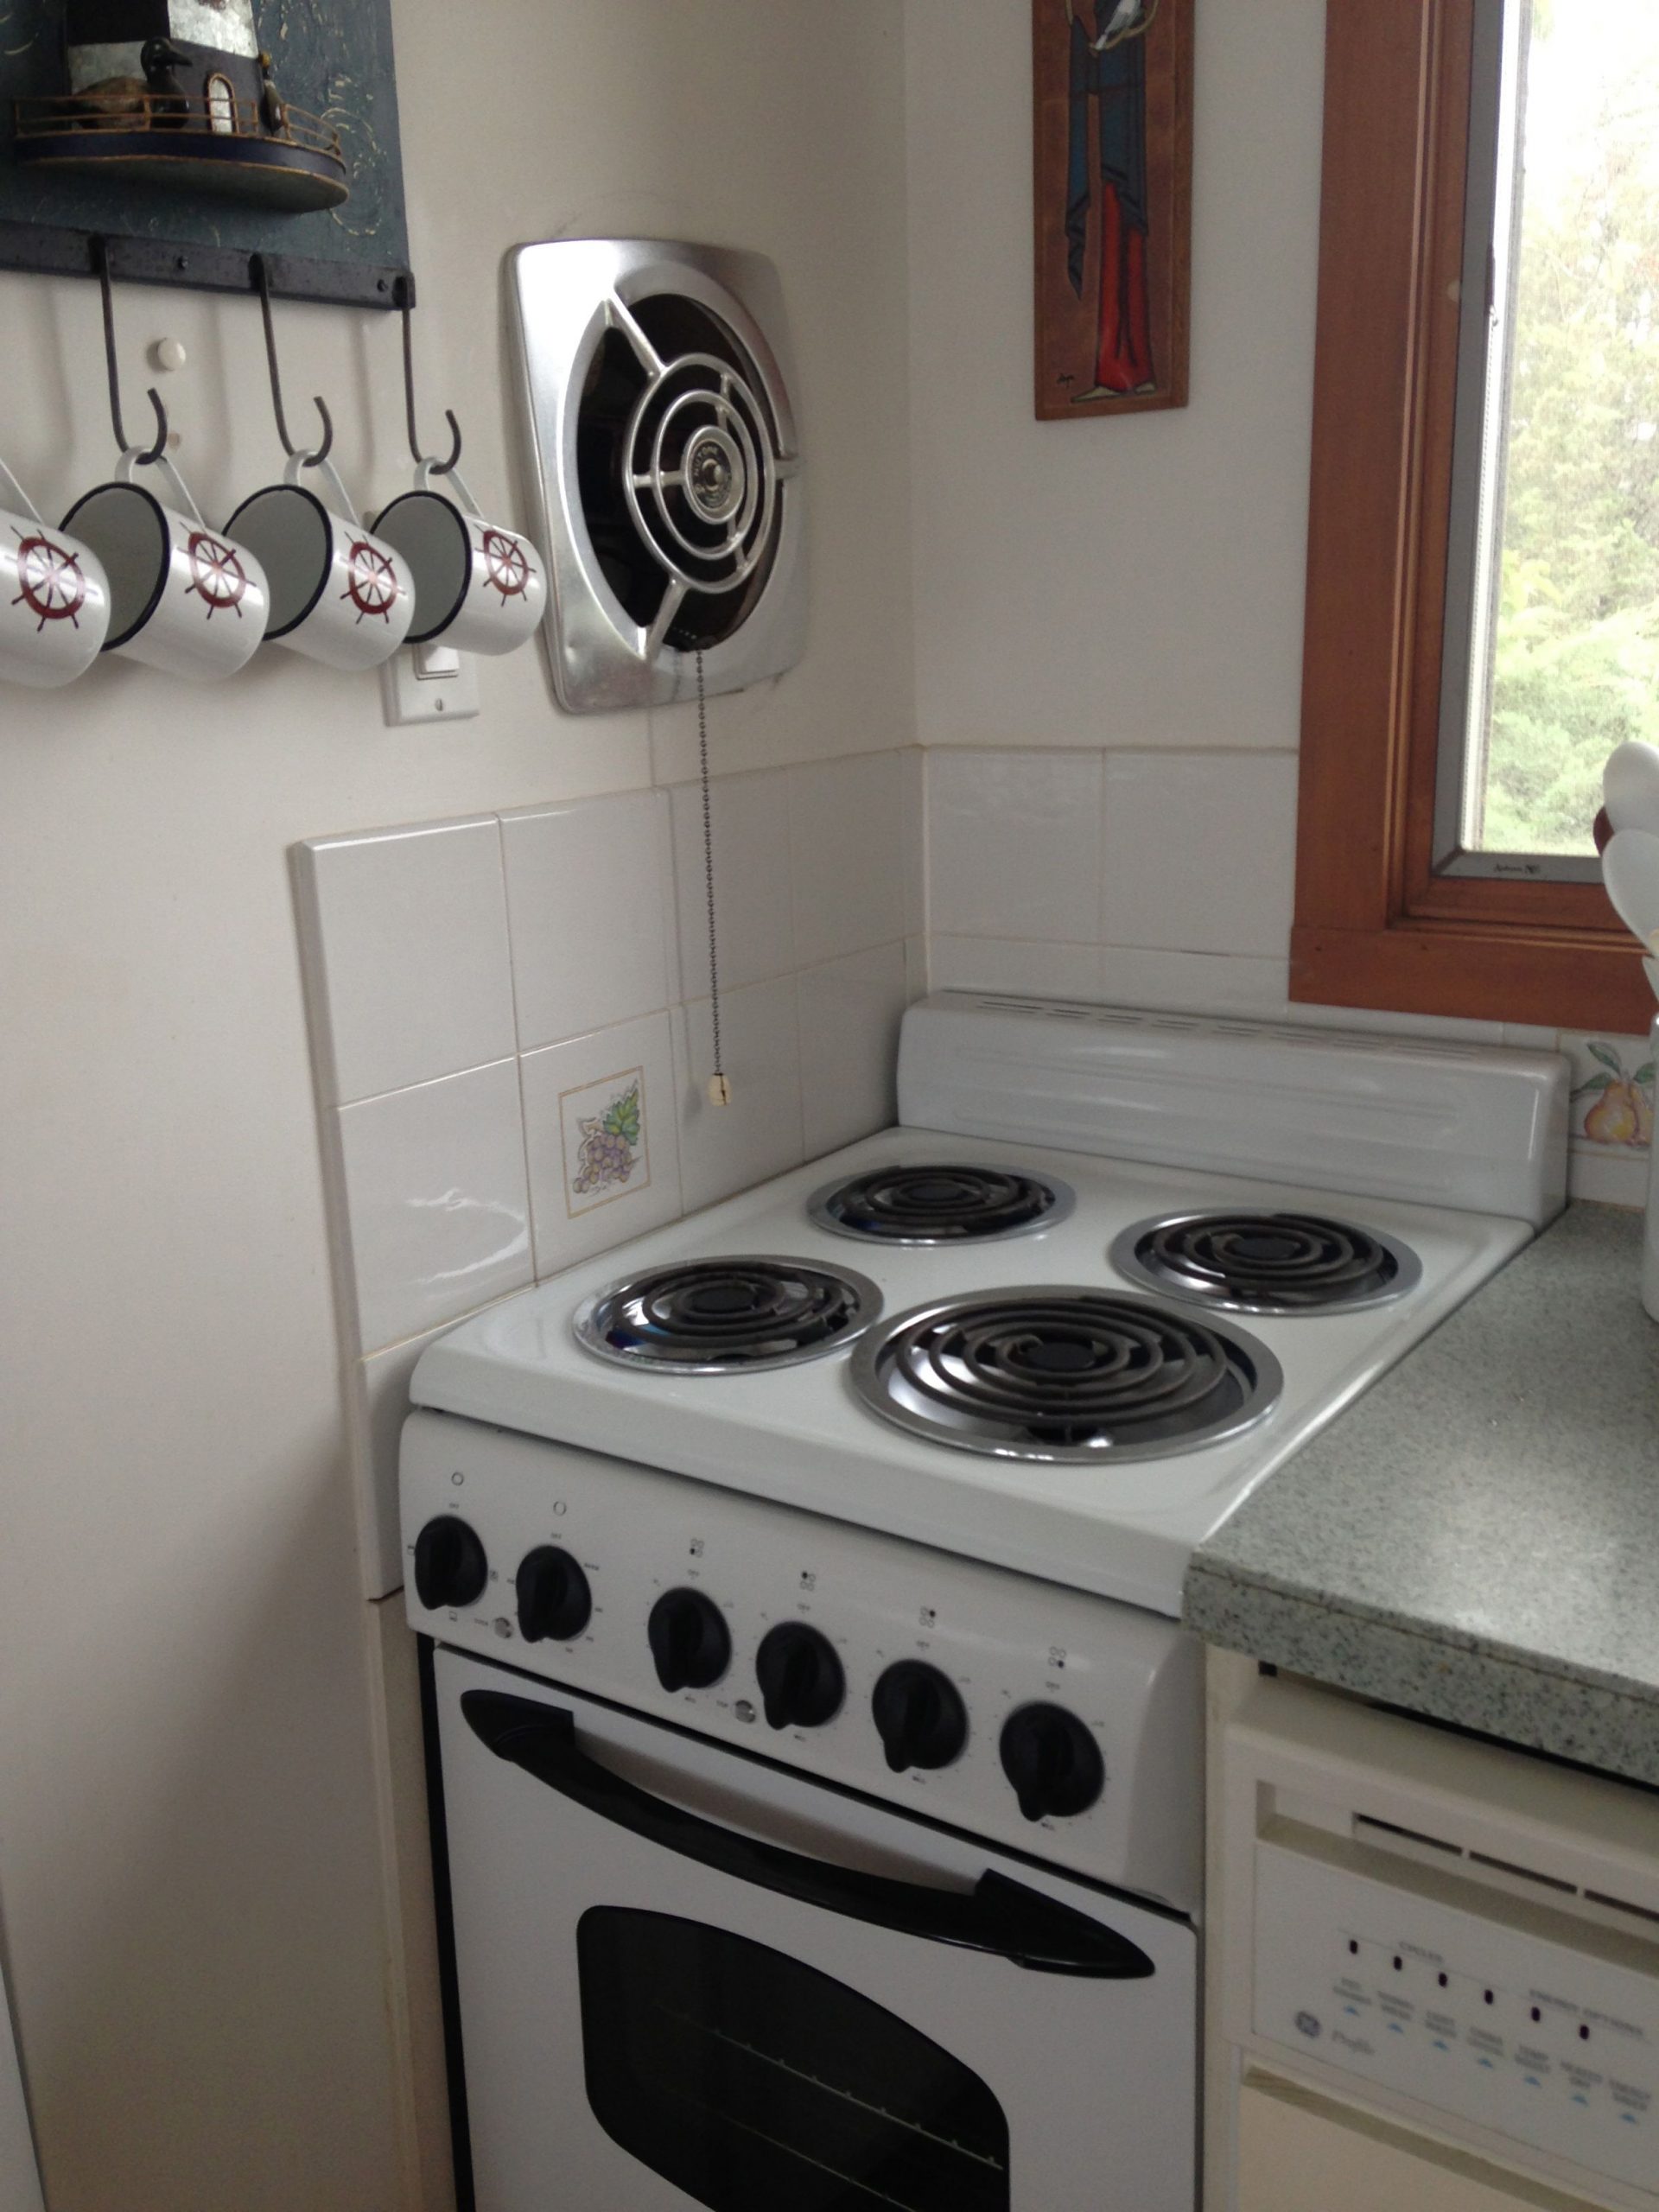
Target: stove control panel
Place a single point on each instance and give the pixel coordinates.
(1505, 2014)
(1067, 1725)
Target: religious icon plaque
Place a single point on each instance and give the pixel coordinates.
(1112, 82)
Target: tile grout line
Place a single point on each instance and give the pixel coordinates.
(518, 1053)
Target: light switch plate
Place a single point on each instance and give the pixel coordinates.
(428, 683)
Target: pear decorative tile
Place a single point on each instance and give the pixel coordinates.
(1612, 1090)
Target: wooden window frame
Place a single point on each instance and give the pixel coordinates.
(1375, 926)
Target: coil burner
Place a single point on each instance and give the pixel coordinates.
(1267, 1263)
(1064, 1373)
(950, 1204)
(729, 1315)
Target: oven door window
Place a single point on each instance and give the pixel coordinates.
(752, 2081)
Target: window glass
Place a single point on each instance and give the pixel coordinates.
(1556, 480)
(754, 2084)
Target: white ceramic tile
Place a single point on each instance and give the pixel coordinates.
(435, 1201)
(1247, 985)
(851, 1012)
(1449, 1029)
(602, 1138)
(1014, 844)
(994, 963)
(727, 1148)
(377, 1400)
(1528, 1037)
(916, 982)
(913, 763)
(1199, 851)
(589, 896)
(403, 937)
(754, 898)
(1608, 1174)
(847, 828)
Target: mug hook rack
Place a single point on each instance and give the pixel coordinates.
(405, 296)
(261, 275)
(101, 263)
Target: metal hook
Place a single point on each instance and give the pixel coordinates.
(405, 298)
(101, 263)
(262, 278)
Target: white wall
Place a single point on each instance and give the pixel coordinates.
(190, 1868)
(1136, 582)
(1109, 614)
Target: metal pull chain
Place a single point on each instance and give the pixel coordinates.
(720, 1091)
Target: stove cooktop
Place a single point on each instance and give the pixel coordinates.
(1119, 1526)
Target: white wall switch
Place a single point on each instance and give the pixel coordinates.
(428, 683)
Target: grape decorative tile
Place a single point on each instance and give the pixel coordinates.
(603, 1126)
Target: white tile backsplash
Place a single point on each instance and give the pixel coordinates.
(726, 1148)
(1022, 965)
(847, 825)
(1198, 851)
(588, 898)
(1014, 845)
(478, 991)
(436, 1200)
(1612, 1176)
(850, 1010)
(753, 880)
(1200, 982)
(403, 936)
(581, 1204)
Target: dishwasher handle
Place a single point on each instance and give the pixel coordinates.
(996, 1916)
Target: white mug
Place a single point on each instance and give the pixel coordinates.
(339, 594)
(479, 587)
(55, 596)
(184, 598)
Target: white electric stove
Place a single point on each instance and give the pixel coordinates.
(874, 1488)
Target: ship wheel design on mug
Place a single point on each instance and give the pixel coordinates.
(54, 585)
(370, 581)
(217, 574)
(506, 567)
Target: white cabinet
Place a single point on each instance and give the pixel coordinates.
(1431, 1967)
(1298, 2152)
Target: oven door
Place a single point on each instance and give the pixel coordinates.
(691, 1978)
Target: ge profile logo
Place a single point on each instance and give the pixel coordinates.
(1310, 2024)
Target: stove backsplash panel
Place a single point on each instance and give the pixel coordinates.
(511, 1038)
(1163, 878)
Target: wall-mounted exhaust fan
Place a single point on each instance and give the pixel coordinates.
(664, 466)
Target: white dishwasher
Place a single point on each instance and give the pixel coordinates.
(1435, 1970)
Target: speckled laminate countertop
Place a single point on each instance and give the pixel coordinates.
(1478, 1538)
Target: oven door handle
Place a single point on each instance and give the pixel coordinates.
(996, 1916)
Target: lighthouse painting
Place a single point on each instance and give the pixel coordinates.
(265, 126)
(1113, 85)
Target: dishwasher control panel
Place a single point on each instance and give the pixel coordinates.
(1507, 2015)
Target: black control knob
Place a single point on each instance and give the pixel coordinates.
(690, 1640)
(450, 1568)
(921, 1719)
(1053, 1761)
(555, 1602)
(802, 1684)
